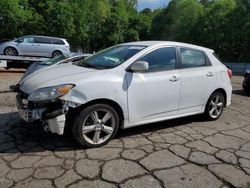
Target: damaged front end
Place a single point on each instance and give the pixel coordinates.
(52, 113)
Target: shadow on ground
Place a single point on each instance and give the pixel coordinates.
(18, 136)
(241, 92)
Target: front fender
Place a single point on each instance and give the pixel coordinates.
(111, 90)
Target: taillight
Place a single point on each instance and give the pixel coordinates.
(229, 73)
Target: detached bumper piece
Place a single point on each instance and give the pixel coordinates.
(27, 115)
(51, 114)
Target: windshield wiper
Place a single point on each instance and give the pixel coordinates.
(92, 66)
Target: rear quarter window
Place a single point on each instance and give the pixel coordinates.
(58, 42)
(43, 40)
(192, 58)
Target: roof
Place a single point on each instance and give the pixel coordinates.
(42, 36)
(172, 43)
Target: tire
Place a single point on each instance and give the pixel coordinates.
(10, 51)
(215, 106)
(91, 119)
(56, 53)
(246, 89)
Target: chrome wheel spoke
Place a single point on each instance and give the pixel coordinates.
(217, 98)
(220, 104)
(212, 103)
(216, 112)
(87, 129)
(212, 111)
(96, 137)
(107, 129)
(94, 116)
(106, 117)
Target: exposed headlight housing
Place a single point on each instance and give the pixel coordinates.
(50, 93)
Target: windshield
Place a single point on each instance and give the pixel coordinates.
(110, 57)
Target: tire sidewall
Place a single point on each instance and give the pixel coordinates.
(78, 124)
(12, 48)
(55, 52)
(207, 106)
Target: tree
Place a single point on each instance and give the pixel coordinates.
(176, 22)
(13, 17)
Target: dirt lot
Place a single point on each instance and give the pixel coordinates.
(188, 152)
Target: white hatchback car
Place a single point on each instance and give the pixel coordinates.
(124, 86)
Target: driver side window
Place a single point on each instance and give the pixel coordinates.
(28, 40)
(161, 59)
(25, 40)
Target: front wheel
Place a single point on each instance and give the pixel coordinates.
(10, 51)
(246, 89)
(215, 106)
(95, 125)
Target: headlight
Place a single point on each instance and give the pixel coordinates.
(50, 93)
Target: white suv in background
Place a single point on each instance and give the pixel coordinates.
(33, 45)
(124, 86)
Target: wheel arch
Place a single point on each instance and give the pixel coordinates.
(221, 90)
(109, 102)
(11, 46)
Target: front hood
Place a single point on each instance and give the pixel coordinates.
(56, 75)
(33, 68)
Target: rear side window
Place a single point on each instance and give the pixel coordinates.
(43, 40)
(161, 59)
(58, 41)
(192, 58)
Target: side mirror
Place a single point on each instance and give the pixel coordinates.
(139, 66)
(18, 41)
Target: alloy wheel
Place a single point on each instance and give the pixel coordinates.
(56, 53)
(10, 52)
(98, 126)
(216, 106)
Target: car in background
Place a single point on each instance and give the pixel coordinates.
(61, 59)
(124, 86)
(246, 81)
(33, 45)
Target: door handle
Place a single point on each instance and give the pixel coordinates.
(174, 78)
(210, 74)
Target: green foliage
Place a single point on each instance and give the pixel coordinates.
(223, 25)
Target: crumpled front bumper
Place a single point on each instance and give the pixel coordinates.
(53, 119)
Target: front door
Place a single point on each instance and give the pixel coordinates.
(26, 45)
(155, 93)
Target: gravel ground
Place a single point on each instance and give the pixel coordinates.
(188, 152)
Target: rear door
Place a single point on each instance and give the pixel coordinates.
(44, 46)
(197, 80)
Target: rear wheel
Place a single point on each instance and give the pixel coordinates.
(215, 106)
(246, 89)
(95, 125)
(10, 51)
(56, 53)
